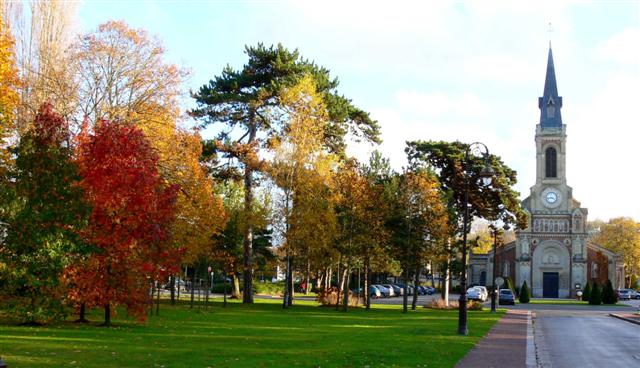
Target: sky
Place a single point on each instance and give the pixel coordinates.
(441, 70)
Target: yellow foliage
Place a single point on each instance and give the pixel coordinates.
(8, 95)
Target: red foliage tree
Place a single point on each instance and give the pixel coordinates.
(132, 211)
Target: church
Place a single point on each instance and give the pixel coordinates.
(554, 254)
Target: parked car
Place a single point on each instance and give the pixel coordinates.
(505, 296)
(400, 288)
(422, 290)
(430, 290)
(483, 292)
(474, 293)
(394, 290)
(634, 294)
(384, 291)
(410, 290)
(623, 294)
(374, 292)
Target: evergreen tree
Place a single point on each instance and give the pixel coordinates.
(524, 293)
(586, 293)
(608, 294)
(596, 295)
(43, 226)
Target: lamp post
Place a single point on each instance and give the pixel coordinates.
(475, 149)
(493, 272)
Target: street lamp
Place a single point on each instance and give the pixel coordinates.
(475, 149)
(496, 232)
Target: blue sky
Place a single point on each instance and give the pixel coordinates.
(470, 71)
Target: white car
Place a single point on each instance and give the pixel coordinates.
(478, 293)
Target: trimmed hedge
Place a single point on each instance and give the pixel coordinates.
(524, 294)
(608, 294)
(596, 295)
(586, 293)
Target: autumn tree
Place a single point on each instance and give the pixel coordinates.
(9, 83)
(45, 217)
(130, 222)
(301, 170)
(247, 102)
(122, 75)
(622, 235)
(43, 33)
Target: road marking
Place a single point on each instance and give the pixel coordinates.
(531, 351)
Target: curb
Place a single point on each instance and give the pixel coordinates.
(624, 318)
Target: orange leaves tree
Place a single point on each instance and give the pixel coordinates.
(130, 221)
(8, 96)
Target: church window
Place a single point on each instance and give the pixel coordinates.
(551, 108)
(550, 163)
(505, 269)
(594, 270)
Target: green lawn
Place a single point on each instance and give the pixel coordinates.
(259, 335)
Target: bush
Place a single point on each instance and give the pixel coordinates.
(329, 297)
(608, 294)
(586, 293)
(524, 293)
(438, 303)
(596, 295)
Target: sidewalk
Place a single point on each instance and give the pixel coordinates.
(504, 346)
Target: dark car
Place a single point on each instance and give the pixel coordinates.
(505, 296)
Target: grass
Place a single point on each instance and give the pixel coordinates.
(259, 335)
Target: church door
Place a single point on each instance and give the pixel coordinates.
(550, 284)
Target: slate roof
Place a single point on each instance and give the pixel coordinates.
(550, 97)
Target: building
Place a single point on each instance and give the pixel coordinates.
(554, 254)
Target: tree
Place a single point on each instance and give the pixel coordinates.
(586, 293)
(132, 212)
(595, 297)
(608, 294)
(524, 293)
(9, 83)
(43, 34)
(622, 235)
(46, 214)
(302, 171)
(247, 101)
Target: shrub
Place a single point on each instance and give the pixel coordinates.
(328, 297)
(608, 294)
(596, 295)
(524, 293)
(438, 303)
(586, 293)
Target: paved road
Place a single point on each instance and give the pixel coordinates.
(586, 340)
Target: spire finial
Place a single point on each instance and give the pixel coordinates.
(550, 30)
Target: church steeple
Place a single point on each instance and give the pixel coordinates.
(550, 103)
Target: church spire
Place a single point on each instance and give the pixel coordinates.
(550, 103)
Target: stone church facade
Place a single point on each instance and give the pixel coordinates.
(554, 254)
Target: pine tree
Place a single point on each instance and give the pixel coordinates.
(596, 295)
(608, 294)
(586, 293)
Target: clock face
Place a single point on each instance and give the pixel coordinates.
(551, 197)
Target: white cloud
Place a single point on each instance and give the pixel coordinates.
(623, 47)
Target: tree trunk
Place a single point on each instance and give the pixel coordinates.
(82, 318)
(172, 286)
(367, 277)
(338, 284)
(107, 315)
(405, 295)
(329, 279)
(193, 287)
(285, 297)
(291, 282)
(416, 280)
(307, 277)
(247, 292)
(158, 299)
(208, 289)
(236, 287)
(445, 286)
(346, 285)
(224, 280)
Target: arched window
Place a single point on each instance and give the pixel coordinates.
(550, 163)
